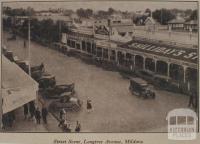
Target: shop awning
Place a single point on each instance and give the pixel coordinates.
(18, 88)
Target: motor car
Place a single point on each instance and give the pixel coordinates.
(59, 91)
(140, 88)
(9, 55)
(46, 81)
(69, 103)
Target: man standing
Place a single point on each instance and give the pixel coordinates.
(191, 100)
(78, 127)
(31, 109)
(44, 114)
(37, 116)
(89, 105)
(25, 111)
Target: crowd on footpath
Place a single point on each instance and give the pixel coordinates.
(31, 112)
(63, 123)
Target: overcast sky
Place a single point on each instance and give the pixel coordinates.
(104, 5)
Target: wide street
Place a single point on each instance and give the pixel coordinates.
(115, 108)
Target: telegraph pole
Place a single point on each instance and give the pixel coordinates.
(29, 47)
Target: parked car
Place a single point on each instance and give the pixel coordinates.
(9, 55)
(69, 103)
(13, 37)
(47, 81)
(59, 91)
(140, 88)
(23, 65)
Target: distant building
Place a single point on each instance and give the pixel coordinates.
(176, 24)
(150, 24)
(193, 25)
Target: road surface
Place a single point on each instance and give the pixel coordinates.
(115, 109)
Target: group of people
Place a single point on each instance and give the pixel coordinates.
(64, 124)
(63, 118)
(8, 119)
(35, 112)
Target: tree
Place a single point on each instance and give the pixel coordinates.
(163, 16)
(148, 11)
(110, 11)
(84, 13)
(193, 16)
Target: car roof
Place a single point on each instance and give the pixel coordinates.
(139, 81)
(47, 76)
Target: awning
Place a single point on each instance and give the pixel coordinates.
(18, 88)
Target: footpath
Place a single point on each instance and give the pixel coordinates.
(26, 125)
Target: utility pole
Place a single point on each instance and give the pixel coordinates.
(29, 48)
(161, 13)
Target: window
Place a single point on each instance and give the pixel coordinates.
(93, 49)
(77, 46)
(89, 47)
(105, 53)
(99, 52)
(83, 46)
(73, 44)
(68, 42)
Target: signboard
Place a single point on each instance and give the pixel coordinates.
(189, 55)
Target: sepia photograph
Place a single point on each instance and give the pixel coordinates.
(99, 66)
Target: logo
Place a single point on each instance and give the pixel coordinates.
(182, 124)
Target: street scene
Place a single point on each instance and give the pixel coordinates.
(96, 70)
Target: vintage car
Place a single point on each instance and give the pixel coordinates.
(9, 55)
(38, 68)
(140, 88)
(59, 91)
(23, 65)
(69, 103)
(46, 81)
(13, 37)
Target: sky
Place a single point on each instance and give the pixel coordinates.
(104, 5)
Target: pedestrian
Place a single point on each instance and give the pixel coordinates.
(31, 109)
(89, 105)
(191, 100)
(44, 114)
(62, 114)
(37, 115)
(78, 127)
(61, 122)
(25, 111)
(24, 43)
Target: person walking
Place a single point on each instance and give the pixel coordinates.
(78, 127)
(62, 114)
(25, 111)
(37, 116)
(89, 106)
(24, 43)
(44, 114)
(191, 100)
(31, 109)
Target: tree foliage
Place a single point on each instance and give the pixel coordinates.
(84, 13)
(193, 16)
(163, 16)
